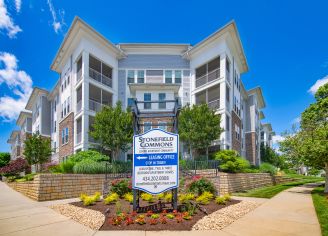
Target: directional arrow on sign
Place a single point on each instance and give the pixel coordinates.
(141, 157)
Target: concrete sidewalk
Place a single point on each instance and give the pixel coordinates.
(20, 215)
(289, 213)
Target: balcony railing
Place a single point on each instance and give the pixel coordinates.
(79, 106)
(78, 138)
(214, 104)
(78, 75)
(213, 75)
(100, 77)
(95, 106)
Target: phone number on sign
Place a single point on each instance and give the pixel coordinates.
(155, 178)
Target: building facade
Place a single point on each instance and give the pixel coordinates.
(93, 72)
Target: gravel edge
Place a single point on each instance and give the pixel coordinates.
(87, 217)
(225, 216)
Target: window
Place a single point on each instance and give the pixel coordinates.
(237, 132)
(208, 72)
(178, 77)
(62, 111)
(68, 78)
(227, 64)
(130, 102)
(162, 126)
(227, 123)
(227, 93)
(68, 104)
(79, 65)
(65, 83)
(162, 97)
(201, 97)
(64, 136)
(147, 126)
(62, 87)
(147, 99)
(55, 105)
(65, 108)
(141, 77)
(55, 126)
(130, 76)
(168, 77)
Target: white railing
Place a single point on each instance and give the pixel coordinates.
(78, 138)
(100, 77)
(79, 106)
(213, 75)
(214, 104)
(95, 106)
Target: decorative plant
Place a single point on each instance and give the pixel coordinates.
(160, 196)
(230, 161)
(128, 197)
(153, 221)
(121, 187)
(220, 200)
(163, 220)
(147, 197)
(201, 185)
(227, 197)
(170, 216)
(129, 221)
(140, 220)
(89, 200)
(168, 197)
(122, 215)
(97, 196)
(134, 213)
(179, 218)
(205, 198)
(149, 213)
(118, 207)
(186, 215)
(154, 216)
(175, 212)
(14, 167)
(184, 198)
(115, 220)
(111, 198)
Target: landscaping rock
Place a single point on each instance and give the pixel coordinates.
(225, 216)
(90, 218)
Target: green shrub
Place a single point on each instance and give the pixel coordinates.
(268, 168)
(88, 200)
(155, 216)
(89, 167)
(160, 196)
(111, 198)
(170, 216)
(147, 197)
(168, 197)
(121, 187)
(29, 177)
(184, 198)
(128, 197)
(220, 200)
(66, 166)
(231, 162)
(227, 197)
(201, 185)
(205, 198)
(89, 155)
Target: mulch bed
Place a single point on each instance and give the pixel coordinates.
(170, 225)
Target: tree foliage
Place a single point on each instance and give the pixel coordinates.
(14, 167)
(310, 144)
(37, 150)
(199, 126)
(268, 155)
(113, 129)
(4, 158)
(230, 161)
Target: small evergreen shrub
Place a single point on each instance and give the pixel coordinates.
(168, 197)
(198, 186)
(204, 198)
(128, 197)
(184, 198)
(147, 197)
(231, 162)
(66, 166)
(268, 168)
(89, 167)
(220, 200)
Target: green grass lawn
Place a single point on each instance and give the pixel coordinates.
(320, 201)
(270, 191)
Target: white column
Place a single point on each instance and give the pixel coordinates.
(85, 100)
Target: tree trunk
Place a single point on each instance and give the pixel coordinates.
(326, 182)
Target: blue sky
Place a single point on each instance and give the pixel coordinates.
(285, 44)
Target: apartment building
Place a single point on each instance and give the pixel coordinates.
(266, 134)
(94, 72)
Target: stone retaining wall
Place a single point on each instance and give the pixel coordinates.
(46, 187)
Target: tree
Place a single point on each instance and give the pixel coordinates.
(113, 129)
(199, 126)
(310, 144)
(270, 156)
(37, 150)
(4, 158)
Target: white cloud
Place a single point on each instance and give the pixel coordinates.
(18, 81)
(317, 85)
(297, 120)
(57, 24)
(6, 22)
(277, 138)
(18, 5)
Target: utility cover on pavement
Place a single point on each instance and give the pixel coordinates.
(155, 161)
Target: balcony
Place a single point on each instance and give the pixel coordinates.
(211, 76)
(93, 74)
(95, 106)
(214, 104)
(78, 138)
(79, 106)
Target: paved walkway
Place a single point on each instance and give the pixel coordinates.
(289, 213)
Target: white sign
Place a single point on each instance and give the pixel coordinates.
(155, 161)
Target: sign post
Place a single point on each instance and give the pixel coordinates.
(155, 163)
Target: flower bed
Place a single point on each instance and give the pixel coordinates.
(152, 221)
